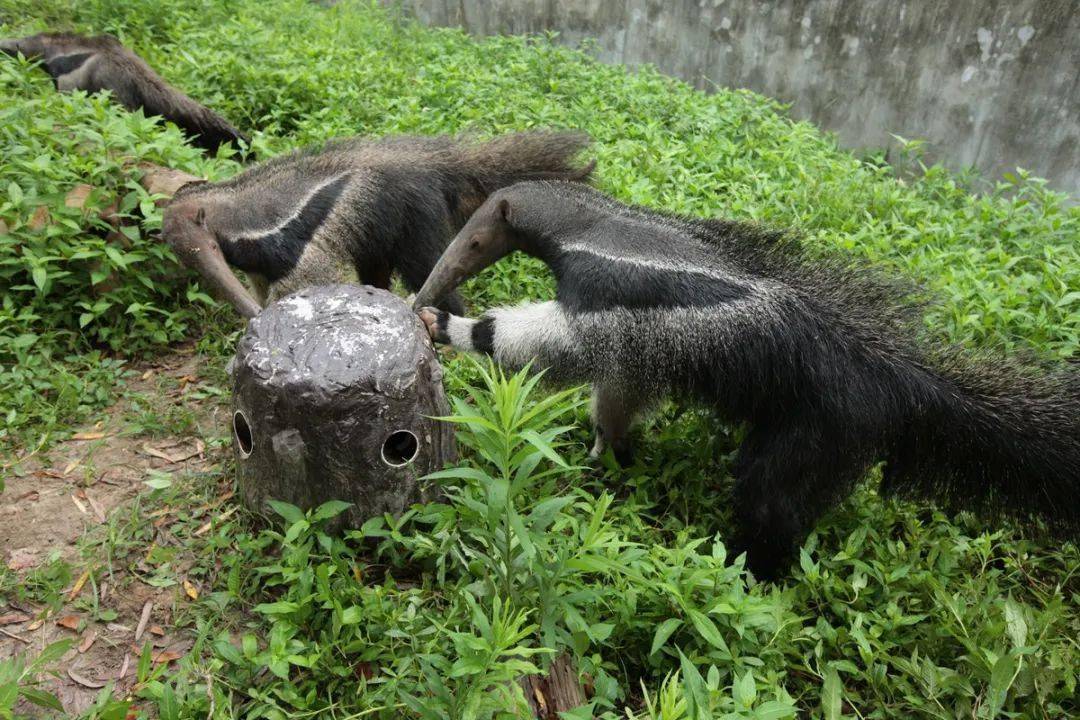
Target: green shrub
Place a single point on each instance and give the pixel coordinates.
(894, 610)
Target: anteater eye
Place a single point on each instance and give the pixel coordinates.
(475, 244)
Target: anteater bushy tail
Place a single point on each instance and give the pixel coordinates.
(996, 438)
(208, 129)
(530, 155)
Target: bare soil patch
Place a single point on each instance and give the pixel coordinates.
(54, 500)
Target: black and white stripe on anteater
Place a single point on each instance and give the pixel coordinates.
(78, 62)
(353, 210)
(819, 356)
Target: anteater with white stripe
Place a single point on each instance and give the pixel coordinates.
(823, 358)
(93, 64)
(352, 210)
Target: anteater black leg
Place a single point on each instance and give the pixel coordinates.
(787, 477)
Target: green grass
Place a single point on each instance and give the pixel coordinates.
(893, 611)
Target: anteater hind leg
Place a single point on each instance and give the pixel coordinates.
(786, 477)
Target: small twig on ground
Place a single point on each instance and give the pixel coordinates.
(13, 636)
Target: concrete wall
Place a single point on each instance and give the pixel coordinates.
(993, 84)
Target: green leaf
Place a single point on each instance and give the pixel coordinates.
(40, 276)
(295, 530)
(51, 653)
(41, 698)
(290, 513)
(1001, 679)
(352, 615)
(546, 511)
(158, 480)
(663, 632)
(744, 690)
(543, 446)
(1015, 623)
(707, 629)
(168, 708)
(521, 533)
(330, 509)
(282, 607)
(227, 650)
(774, 710)
(831, 695)
(694, 691)
(585, 712)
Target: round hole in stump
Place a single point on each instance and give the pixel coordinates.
(242, 431)
(401, 448)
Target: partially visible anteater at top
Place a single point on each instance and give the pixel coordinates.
(353, 210)
(77, 62)
(818, 356)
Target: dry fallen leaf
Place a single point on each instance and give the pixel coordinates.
(190, 590)
(76, 197)
(205, 527)
(71, 466)
(197, 451)
(144, 619)
(97, 435)
(99, 511)
(22, 558)
(31, 495)
(87, 641)
(79, 504)
(39, 219)
(154, 452)
(124, 667)
(78, 586)
(71, 622)
(85, 681)
(157, 630)
(13, 618)
(166, 656)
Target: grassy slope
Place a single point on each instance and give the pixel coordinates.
(899, 610)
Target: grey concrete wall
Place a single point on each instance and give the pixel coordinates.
(993, 84)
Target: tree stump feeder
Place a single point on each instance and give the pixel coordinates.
(334, 389)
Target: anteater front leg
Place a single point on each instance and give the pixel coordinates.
(538, 333)
(614, 408)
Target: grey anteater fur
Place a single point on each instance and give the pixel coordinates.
(819, 356)
(353, 210)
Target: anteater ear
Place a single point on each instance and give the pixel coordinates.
(504, 210)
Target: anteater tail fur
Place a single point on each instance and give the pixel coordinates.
(481, 168)
(967, 429)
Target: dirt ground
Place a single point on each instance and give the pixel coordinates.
(52, 500)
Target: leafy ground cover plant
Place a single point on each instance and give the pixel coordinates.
(894, 610)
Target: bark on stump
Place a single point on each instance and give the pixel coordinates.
(558, 691)
(334, 389)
